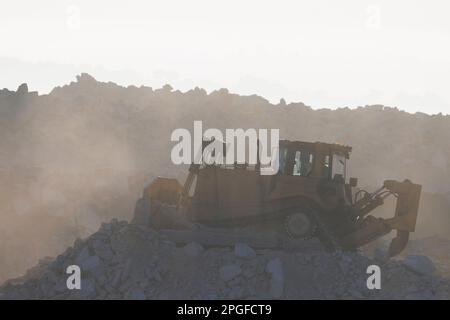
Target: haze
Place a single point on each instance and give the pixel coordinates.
(327, 54)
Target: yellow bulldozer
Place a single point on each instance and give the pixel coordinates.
(309, 197)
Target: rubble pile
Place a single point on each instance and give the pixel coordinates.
(129, 261)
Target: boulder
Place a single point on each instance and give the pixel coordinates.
(275, 268)
(229, 272)
(193, 249)
(90, 263)
(22, 89)
(244, 251)
(419, 264)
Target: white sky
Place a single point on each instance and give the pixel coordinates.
(323, 53)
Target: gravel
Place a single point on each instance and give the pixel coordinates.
(128, 261)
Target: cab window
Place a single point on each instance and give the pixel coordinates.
(283, 159)
(338, 166)
(326, 167)
(303, 163)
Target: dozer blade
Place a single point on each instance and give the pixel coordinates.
(408, 197)
(398, 243)
(404, 221)
(369, 229)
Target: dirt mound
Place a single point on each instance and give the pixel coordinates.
(127, 261)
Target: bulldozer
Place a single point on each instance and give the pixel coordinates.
(310, 196)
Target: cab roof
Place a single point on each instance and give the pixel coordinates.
(335, 148)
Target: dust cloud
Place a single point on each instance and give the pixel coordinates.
(82, 154)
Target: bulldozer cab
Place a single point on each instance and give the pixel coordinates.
(314, 159)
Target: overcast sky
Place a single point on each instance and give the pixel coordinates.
(323, 53)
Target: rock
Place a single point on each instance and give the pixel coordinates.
(354, 293)
(90, 263)
(106, 254)
(420, 295)
(106, 227)
(88, 289)
(86, 78)
(135, 294)
(381, 255)
(61, 285)
(229, 272)
(275, 268)
(236, 293)
(82, 255)
(22, 89)
(153, 274)
(419, 264)
(193, 249)
(244, 251)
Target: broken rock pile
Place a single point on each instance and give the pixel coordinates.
(128, 261)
